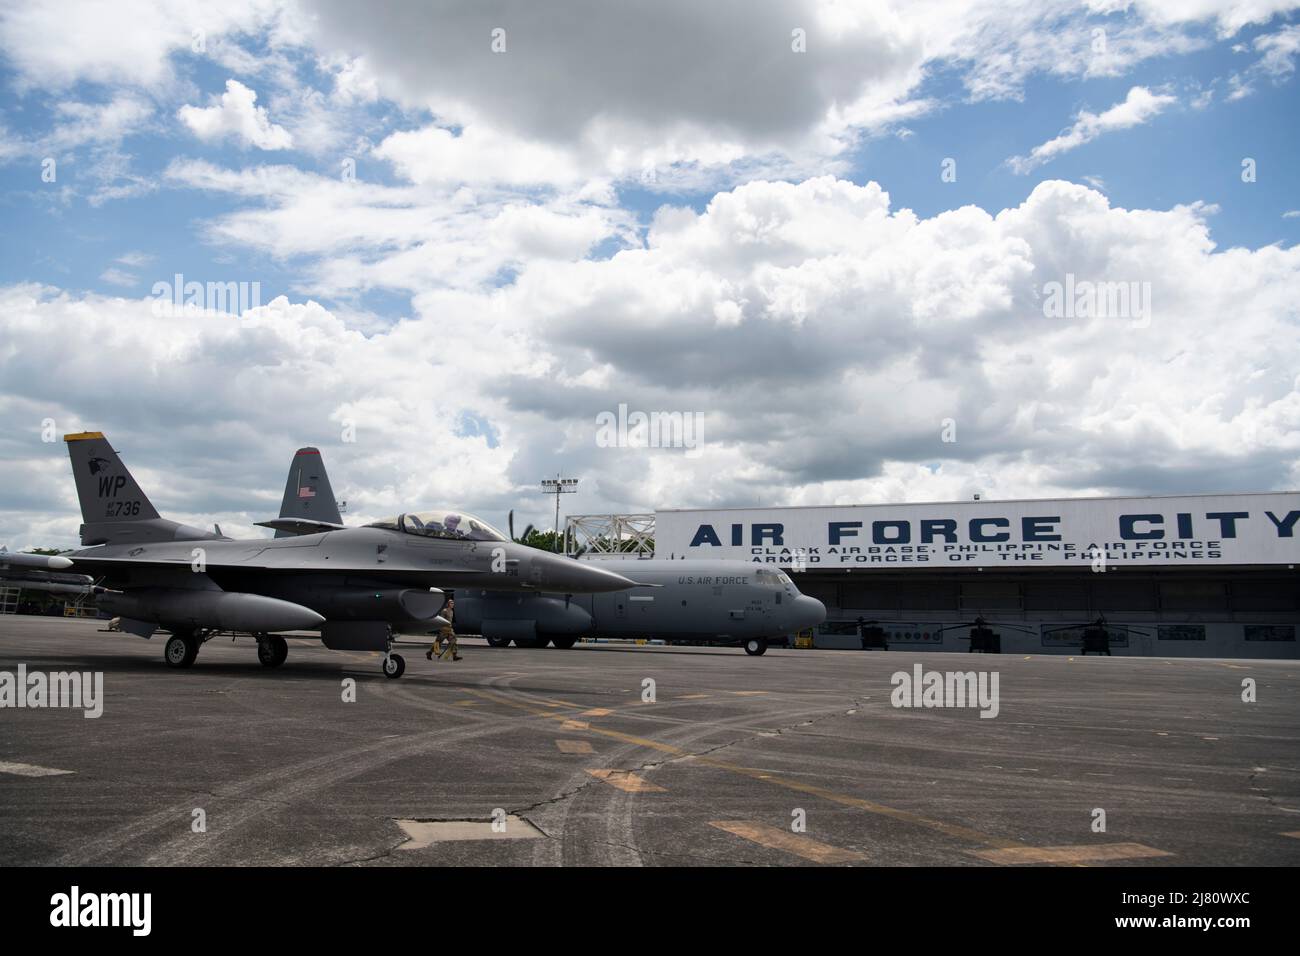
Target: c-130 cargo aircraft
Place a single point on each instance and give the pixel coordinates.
(359, 587)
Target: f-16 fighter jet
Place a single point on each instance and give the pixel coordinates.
(359, 587)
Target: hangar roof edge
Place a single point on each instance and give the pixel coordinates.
(982, 501)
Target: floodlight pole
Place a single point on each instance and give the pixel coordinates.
(559, 486)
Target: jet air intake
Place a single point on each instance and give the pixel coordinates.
(394, 605)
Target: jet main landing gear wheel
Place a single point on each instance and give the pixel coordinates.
(755, 646)
(498, 642)
(394, 666)
(181, 650)
(564, 643)
(272, 650)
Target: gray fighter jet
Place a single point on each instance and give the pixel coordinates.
(358, 586)
(729, 602)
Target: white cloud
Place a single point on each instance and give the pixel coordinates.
(236, 114)
(53, 46)
(134, 259)
(1138, 107)
(1277, 62)
(362, 235)
(478, 155)
(701, 95)
(120, 277)
(1280, 50)
(75, 124)
(780, 301)
(780, 298)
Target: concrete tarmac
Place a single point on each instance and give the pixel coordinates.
(548, 757)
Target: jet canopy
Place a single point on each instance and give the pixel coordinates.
(442, 524)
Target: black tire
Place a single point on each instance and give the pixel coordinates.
(565, 643)
(756, 646)
(272, 650)
(181, 650)
(536, 643)
(394, 666)
(498, 642)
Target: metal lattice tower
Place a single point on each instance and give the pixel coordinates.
(629, 535)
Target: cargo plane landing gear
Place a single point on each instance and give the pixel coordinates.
(756, 646)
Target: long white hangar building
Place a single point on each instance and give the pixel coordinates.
(1195, 575)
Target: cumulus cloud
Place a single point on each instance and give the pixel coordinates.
(779, 306)
(682, 95)
(356, 235)
(823, 334)
(236, 114)
(1140, 106)
(128, 42)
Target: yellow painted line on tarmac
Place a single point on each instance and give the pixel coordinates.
(1294, 834)
(574, 746)
(596, 712)
(694, 696)
(777, 839)
(627, 781)
(575, 725)
(466, 703)
(746, 693)
(1070, 854)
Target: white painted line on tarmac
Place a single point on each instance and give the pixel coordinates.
(30, 770)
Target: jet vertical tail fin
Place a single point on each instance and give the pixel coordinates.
(114, 508)
(308, 506)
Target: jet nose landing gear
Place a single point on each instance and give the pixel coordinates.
(394, 665)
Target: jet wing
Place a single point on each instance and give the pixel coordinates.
(377, 569)
(299, 525)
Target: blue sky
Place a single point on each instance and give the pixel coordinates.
(1185, 155)
(489, 282)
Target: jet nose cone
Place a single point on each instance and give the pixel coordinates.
(580, 577)
(808, 612)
